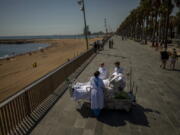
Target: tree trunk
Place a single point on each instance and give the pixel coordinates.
(160, 30)
(166, 32)
(154, 30)
(143, 31)
(146, 30)
(171, 31)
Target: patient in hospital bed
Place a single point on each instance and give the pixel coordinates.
(116, 82)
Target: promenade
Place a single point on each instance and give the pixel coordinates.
(157, 110)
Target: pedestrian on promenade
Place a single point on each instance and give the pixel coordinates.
(98, 45)
(109, 44)
(97, 94)
(103, 41)
(164, 58)
(95, 47)
(102, 45)
(173, 59)
(103, 72)
(112, 43)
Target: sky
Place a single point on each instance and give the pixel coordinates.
(60, 17)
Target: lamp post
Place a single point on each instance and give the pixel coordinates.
(105, 25)
(82, 8)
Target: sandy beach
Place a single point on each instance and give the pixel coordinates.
(16, 73)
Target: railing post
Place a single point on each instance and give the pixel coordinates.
(28, 105)
(2, 129)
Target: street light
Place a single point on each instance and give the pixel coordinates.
(82, 8)
(105, 25)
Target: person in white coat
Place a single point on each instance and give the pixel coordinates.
(103, 72)
(117, 68)
(118, 78)
(97, 94)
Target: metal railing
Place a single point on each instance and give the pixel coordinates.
(19, 107)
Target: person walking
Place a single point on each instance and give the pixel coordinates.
(98, 45)
(173, 59)
(95, 47)
(109, 44)
(102, 45)
(164, 58)
(112, 43)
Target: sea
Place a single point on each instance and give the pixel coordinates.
(48, 37)
(10, 50)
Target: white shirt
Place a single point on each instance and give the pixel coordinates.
(103, 73)
(118, 70)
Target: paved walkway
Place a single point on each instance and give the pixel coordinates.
(157, 111)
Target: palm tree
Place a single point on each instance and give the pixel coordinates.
(177, 3)
(151, 19)
(162, 11)
(155, 12)
(169, 7)
(178, 24)
(172, 24)
(146, 9)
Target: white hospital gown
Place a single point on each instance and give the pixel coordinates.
(97, 95)
(82, 91)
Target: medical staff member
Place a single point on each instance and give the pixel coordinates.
(103, 72)
(97, 94)
(117, 68)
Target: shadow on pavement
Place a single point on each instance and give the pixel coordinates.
(119, 117)
(175, 70)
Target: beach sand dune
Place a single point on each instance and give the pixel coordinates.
(18, 72)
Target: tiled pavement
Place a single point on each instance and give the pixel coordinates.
(157, 111)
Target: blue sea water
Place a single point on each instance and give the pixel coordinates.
(47, 37)
(9, 50)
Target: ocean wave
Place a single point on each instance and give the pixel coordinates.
(7, 51)
(5, 56)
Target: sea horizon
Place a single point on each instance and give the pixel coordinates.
(47, 37)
